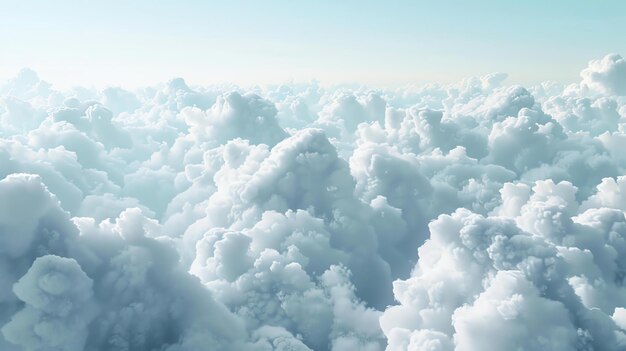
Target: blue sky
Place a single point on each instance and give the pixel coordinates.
(385, 43)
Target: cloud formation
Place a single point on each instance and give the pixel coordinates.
(470, 216)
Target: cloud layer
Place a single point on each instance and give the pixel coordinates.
(471, 216)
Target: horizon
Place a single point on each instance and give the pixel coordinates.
(247, 43)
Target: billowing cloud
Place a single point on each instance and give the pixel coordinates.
(469, 216)
(58, 298)
(606, 75)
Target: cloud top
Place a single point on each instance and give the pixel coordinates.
(468, 216)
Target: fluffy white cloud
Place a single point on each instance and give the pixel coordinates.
(537, 274)
(233, 115)
(607, 75)
(511, 314)
(469, 216)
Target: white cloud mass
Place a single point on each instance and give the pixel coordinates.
(474, 216)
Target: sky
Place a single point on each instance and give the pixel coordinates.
(382, 43)
(478, 216)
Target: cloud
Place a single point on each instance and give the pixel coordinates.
(479, 279)
(120, 100)
(467, 216)
(57, 295)
(512, 314)
(87, 285)
(233, 115)
(607, 75)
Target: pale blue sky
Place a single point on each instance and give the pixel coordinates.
(138, 42)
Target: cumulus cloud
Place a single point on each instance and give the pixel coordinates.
(512, 314)
(233, 115)
(57, 295)
(468, 216)
(606, 75)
